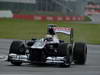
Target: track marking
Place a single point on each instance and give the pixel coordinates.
(3, 57)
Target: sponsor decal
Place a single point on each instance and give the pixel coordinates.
(63, 30)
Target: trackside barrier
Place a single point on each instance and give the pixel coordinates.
(30, 17)
(6, 14)
(90, 12)
(49, 18)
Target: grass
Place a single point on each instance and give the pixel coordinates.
(42, 13)
(27, 29)
(87, 18)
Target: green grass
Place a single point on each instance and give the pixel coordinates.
(42, 13)
(26, 29)
(87, 18)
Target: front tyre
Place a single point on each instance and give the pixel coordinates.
(16, 63)
(17, 47)
(80, 53)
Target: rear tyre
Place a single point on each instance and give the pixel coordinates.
(17, 47)
(80, 53)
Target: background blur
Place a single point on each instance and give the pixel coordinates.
(60, 7)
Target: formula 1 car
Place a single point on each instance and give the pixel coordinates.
(49, 49)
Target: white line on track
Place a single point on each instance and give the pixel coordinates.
(3, 57)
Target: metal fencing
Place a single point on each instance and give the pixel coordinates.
(66, 7)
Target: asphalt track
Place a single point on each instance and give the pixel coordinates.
(92, 66)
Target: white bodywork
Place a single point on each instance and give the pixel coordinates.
(63, 30)
(39, 44)
(25, 58)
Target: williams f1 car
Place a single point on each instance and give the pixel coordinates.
(49, 49)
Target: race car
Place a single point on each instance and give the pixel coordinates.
(49, 50)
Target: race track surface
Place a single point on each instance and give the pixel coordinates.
(92, 66)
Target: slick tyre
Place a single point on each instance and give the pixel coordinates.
(17, 47)
(80, 53)
(16, 63)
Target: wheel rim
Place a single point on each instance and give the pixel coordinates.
(22, 49)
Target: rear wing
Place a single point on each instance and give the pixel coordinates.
(52, 30)
(63, 30)
(68, 31)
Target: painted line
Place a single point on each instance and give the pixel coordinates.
(3, 58)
